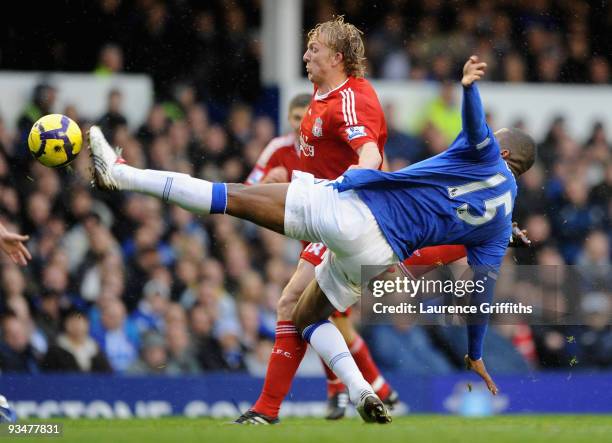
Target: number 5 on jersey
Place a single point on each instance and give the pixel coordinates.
(491, 205)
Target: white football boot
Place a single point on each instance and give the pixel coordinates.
(104, 159)
(372, 409)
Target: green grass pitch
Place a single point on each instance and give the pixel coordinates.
(415, 428)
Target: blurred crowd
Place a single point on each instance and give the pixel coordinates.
(123, 283)
(173, 41)
(521, 41)
(200, 42)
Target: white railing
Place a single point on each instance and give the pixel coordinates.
(86, 91)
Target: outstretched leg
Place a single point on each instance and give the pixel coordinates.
(265, 206)
(261, 204)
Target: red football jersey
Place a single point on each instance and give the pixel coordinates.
(337, 124)
(281, 151)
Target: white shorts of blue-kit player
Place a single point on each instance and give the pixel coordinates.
(316, 212)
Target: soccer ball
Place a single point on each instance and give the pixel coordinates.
(55, 140)
(7, 414)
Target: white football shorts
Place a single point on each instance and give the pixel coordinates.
(316, 212)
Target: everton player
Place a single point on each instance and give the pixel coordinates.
(464, 195)
(275, 165)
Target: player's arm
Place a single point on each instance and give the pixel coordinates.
(275, 170)
(385, 163)
(478, 324)
(255, 176)
(519, 237)
(369, 157)
(268, 169)
(431, 257)
(485, 262)
(359, 124)
(277, 174)
(472, 111)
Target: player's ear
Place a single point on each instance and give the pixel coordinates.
(505, 153)
(337, 58)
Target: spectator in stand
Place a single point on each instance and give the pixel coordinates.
(110, 60)
(554, 345)
(575, 69)
(74, 350)
(152, 308)
(249, 321)
(515, 70)
(153, 356)
(401, 149)
(20, 306)
(575, 219)
(531, 196)
(593, 263)
(156, 125)
(599, 69)
(43, 101)
(595, 339)
(48, 315)
(116, 335)
(444, 112)
(182, 355)
(395, 348)
(207, 348)
(113, 119)
(256, 360)
(16, 353)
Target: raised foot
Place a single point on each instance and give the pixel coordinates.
(103, 159)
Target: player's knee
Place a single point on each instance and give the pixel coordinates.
(286, 303)
(304, 316)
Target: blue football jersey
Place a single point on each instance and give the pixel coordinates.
(464, 195)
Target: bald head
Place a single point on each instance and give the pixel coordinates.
(518, 149)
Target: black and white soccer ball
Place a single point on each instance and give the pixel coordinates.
(7, 414)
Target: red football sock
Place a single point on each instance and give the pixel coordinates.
(287, 353)
(368, 368)
(334, 384)
(426, 259)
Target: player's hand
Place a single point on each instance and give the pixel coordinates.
(479, 368)
(11, 244)
(473, 70)
(519, 237)
(276, 175)
(355, 167)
